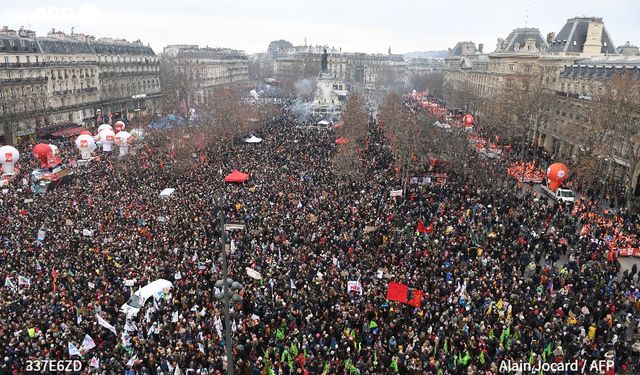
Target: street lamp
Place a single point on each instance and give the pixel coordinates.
(229, 289)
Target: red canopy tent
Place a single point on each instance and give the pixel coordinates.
(236, 176)
(341, 141)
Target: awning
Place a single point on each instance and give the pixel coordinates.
(69, 132)
(236, 176)
(253, 139)
(167, 192)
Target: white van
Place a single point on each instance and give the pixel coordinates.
(137, 299)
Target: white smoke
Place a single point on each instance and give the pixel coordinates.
(305, 89)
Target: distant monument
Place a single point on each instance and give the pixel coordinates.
(324, 68)
(330, 92)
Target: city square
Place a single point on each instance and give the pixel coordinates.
(318, 209)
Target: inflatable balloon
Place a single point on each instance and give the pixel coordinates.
(123, 139)
(42, 151)
(107, 137)
(468, 121)
(86, 132)
(86, 144)
(119, 126)
(9, 155)
(103, 127)
(556, 174)
(54, 149)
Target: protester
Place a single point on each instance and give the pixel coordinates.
(504, 276)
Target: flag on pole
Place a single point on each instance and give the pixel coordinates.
(24, 281)
(106, 324)
(95, 362)
(402, 293)
(88, 343)
(8, 283)
(422, 229)
(74, 351)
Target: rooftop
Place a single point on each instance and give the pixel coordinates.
(573, 36)
(526, 39)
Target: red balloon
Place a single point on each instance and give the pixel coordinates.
(42, 152)
(556, 174)
(468, 120)
(86, 132)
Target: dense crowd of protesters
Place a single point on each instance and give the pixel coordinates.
(505, 276)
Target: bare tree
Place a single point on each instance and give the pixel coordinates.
(518, 110)
(403, 132)
(431, 82)
(179, 86)
(354, 128)
(614, 129)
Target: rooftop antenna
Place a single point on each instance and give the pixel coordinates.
(305, 41)
(526, 17)
(72, 27)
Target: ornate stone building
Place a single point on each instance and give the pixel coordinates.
(23, 84)
(60, 80)
(371, 71)
(211, 67)
(571, 68)
(472, 78)
(129, 77)
(71, 68)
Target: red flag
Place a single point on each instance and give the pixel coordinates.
(402, 293)
(423, 229)
(397, 292)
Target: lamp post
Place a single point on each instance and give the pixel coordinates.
(229, 289)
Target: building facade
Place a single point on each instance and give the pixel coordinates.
(210, 68)
(129, 75)
(60, 80)
(571, 69)
(23, 84)
(371, 71)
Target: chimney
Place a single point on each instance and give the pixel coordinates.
(480, 47)
(593, 43)
(550, 38)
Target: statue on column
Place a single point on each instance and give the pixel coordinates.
(324, 62)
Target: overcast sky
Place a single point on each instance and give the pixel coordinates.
(354, 25)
